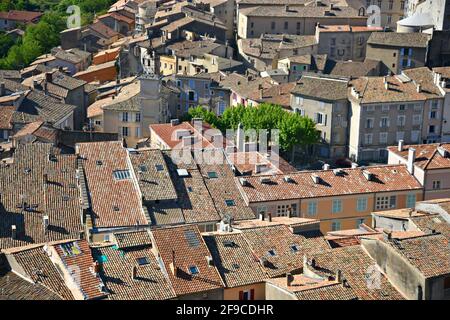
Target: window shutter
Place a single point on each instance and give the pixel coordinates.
(252, 294)
(241, 295)
(325, 120)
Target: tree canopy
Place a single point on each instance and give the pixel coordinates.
(294, 129)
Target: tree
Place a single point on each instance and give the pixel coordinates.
(207, 116)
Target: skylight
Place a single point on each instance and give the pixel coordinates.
(212, 175)
(193, 270)
(272, 252)
(159, 167)
(143, 168)
(142, 261)
(121, 174)
(230, 203)
(294, 248)
(182, 173)
(70, 249)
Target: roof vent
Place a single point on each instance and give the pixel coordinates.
(443, 152)
(288, 179)
(264, 180)
(210, 261)
(338, 172)
(243, 182)
(99, 162)
(368, 175)
(315, 178)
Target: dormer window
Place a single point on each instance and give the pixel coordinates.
(294, 248)
(272, 253)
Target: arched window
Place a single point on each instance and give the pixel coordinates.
(419, 293)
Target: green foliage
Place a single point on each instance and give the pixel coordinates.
(6, 42)
(295, 130)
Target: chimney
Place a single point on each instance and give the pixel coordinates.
(286, 8)
(48, 77)
(46, 222)
(96, 267)
(315, 178)
(386, 85)
(261, 216)
(173, 267)
(354, 165)
(338, 276)
(133, 273)
(289, 279)
(270, 217)
(45, 178)
(411, 160)
(14, 231)
(2, 89)
(174, 122)
(387, 234)
(419, 88)
(326, 166)
(289, 212)
(400, 145)
(368, 175)
(240, 138)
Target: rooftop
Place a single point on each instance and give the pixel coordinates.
(320, 87)
(183, 253)
(108, 179)
(397, 39)
(300, 185)
(428, 156)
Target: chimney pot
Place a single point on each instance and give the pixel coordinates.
(400, 145)
(133, 273)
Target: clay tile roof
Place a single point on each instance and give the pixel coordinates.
(103, 30)
(278, 94)
(116, 269)
(275, 243)
(193, 196)
(373, 90)
(427, 155)
(430, 222)
(222, 188)
(424, 77)
(351, 181)
(428, 253)
(6, 114)
(22, 16)
(153, 175)
(168, 133)
(40, 269)
(325, 88)
(245, 163)
(77, 254)
(14, 287)
(185, 247)
(100, 162)
(234, 259)
(354, 263)
(26, 199)
(397, 39)
(131, 240)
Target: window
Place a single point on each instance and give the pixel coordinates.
(370, 108)
(137, 131)
(125, 131)
(359, 222)
(433, 115)
(436, 184)
(272, 25)
(369, 123)
(385, 107)
(383, 137)
(385, 202)
(212, 175)
(337, 206)
(138, 117)
(431, 129)
(384, 122)
(321, 118)
(124, 116)
(336, 225)
(193, 270)
(401, 120)
(142, 261)
(402, 5)
(286, 25)
(400, 135)
(361, 204)
(410, 200)
(191, 96)
(121, 174)
(247, 294)
(298, 25)
(312, 208)
(417, 119)
(368, 138)
(401, 107)
(415, 135)
(391, 4)
(333, 41)
(230, 203)
(294, 248)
